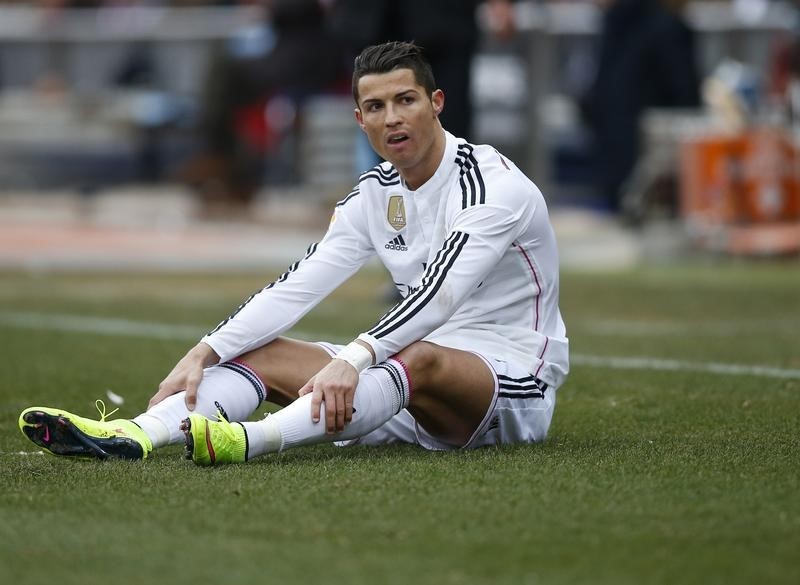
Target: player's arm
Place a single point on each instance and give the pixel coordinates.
(278, 306)
(335, 385)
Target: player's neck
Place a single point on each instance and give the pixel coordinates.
(416, 176)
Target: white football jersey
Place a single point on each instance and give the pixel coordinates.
(471, 251)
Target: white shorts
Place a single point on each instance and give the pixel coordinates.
(520, 412)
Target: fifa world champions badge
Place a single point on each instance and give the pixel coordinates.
(396, 212)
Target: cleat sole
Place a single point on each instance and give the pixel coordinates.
(59, 435)
(52, 434)
(186, 427)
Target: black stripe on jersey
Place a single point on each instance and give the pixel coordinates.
(463, 155)
(468, 196)
(309, 252)
(400, 240)
(384, 178)
(394, 374)
(350, 195)
(463, 150)
(479, 176)
(311, 249)
(387, 174)
(431, 283)
(381, 182)
(431, 272)
(473, 189)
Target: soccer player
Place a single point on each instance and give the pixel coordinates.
(472, 355)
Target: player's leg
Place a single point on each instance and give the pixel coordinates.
(285, 365)
(230, 388)
(443, 400)
(381, 394)
(234, 388)
(448, 390)
(398, 429)
(452, 390)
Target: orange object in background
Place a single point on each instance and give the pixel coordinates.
(741, 194)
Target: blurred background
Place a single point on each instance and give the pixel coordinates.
(655, 128)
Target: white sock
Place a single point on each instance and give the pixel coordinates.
(382, 392)
(232, 387)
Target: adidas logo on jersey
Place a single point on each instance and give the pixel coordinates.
(397, 243)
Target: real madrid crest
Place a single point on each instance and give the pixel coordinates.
(396, 213)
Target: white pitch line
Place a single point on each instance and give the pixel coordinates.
(122, 327)
(648, 363)
(99, 325)
(129, 328)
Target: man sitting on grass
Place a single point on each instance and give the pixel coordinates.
(472, 355)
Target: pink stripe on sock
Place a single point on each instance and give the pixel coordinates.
(249, 368)
(405, 370)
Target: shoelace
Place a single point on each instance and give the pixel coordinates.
(226, 427)
(224, 422)
(101, 408)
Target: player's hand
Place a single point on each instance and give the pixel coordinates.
(186, 375)
(335, 385)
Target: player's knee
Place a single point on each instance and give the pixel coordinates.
(422, 361)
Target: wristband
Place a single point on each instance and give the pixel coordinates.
(356, 355)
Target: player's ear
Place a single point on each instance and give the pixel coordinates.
(359, 117)
(437, 99)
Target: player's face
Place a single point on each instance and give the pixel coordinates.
(401, 122)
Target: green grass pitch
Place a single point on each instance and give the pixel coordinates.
(672, 458)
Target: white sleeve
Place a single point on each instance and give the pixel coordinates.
(278, 306)
(478, 239)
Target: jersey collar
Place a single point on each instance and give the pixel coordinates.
(443, 171)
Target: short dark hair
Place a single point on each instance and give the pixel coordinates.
(390, 56)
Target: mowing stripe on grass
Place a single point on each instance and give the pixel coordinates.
(128, 328)
(634, 328)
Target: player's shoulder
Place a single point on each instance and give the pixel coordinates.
(488, 175)
(485, 156)
(381, 176)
